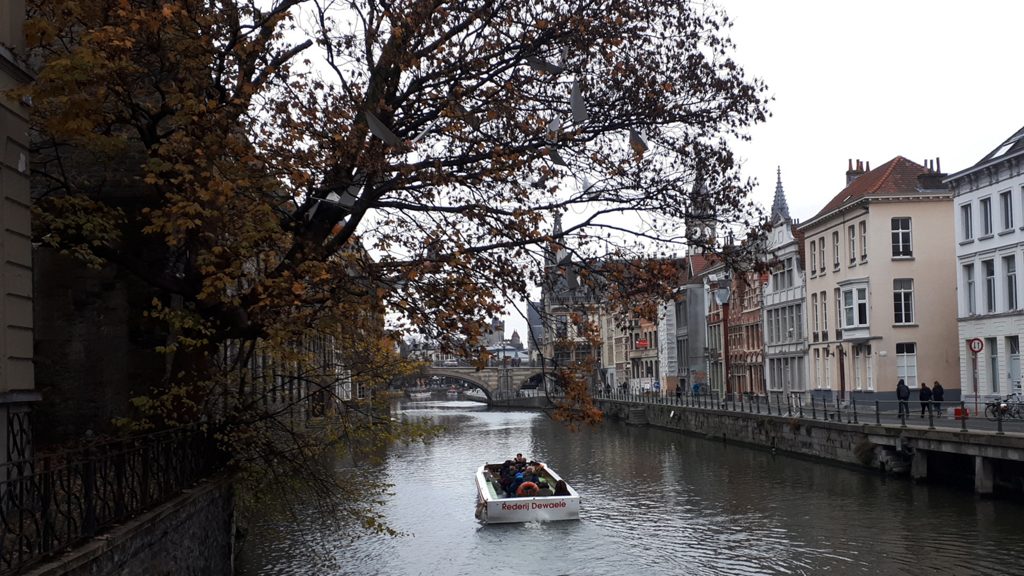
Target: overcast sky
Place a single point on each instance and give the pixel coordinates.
(872, 80)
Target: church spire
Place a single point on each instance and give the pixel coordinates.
(780, 210)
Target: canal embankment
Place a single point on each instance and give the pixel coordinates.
(990, 463)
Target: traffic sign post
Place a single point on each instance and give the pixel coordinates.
(975, 345)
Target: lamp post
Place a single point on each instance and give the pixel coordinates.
(723, 292)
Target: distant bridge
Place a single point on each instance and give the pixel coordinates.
(496, 382)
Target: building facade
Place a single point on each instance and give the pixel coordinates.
(785, 333)
(988, 208)
(17, 378)
(879, 280)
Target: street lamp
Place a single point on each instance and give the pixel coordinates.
(723, 292)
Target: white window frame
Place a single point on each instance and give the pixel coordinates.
(852, 242)
(967, 221)
(906, 363)
(855, 307)
(970, 290)
(1010, 275)
(821, 254)
(989, 270)
(985, 207)
(814, 257)
(903, 300)
(814, 305)
(835, 250)
(863, 240)
(902, 238)
(1006, 209)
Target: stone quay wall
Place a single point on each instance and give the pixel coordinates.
(192, 535)
(845, 443)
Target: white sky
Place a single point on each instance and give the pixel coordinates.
(871, 80)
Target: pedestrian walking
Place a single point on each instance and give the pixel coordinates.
(903, 395)
(925, 396)
(937, 397)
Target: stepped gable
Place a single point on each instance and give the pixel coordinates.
(896, 177)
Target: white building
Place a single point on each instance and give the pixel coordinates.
(989, 237)
(785, 332)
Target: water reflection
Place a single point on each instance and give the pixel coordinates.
(654, 502)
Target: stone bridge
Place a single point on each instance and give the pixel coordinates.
(495, 382)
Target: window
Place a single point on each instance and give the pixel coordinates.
(824, 315)
(835, 249)
(901, 237)
(855, 307)
(1010, 269)
(1006, 209)
(852, 248)
(682, 319)
(993, 364)
(903, 300)
(814, 307)
(817, 368)
(782, 276)
(863, 240)
(838, 299)
(970, 303)
(989, 267)
(966, 222)
(814, 257)
(986, 216)
(906, 363)
(858, 377)
(821, 253)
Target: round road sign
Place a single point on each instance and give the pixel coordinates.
(975, 344)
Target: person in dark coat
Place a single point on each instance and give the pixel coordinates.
(937, 394)
(925, 396)
(903, 395)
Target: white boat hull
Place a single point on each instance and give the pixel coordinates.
(494, 508)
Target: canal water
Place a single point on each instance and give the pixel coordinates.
(653, 502)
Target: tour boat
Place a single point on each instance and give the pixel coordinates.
(419, 395)
(493, 507)
(452, 394)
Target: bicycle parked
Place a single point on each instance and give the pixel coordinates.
(1010, 407)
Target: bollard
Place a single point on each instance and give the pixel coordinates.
(741, 403)
(814, 410)
(878, 415)
(931, 419)
(757, 402)
(963, 417)
(903, 418)
(800, 407)
(789, 406)
(854, 401)
(999, 421)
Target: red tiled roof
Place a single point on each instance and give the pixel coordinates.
(698, 263)
(897, 176)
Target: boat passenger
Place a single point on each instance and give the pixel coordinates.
(520, 460)
(561, 489)
(513, 486)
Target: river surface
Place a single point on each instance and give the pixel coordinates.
(653, 502)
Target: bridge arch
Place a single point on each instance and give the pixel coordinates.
(490, 380)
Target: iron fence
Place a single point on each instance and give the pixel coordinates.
(945, 415)
(51, 503)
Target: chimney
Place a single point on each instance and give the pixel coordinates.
(931, 179)
(851, 173)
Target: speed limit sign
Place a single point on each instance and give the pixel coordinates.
(975, 344)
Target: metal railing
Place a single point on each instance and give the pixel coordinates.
(943, 415)
(51, 503)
